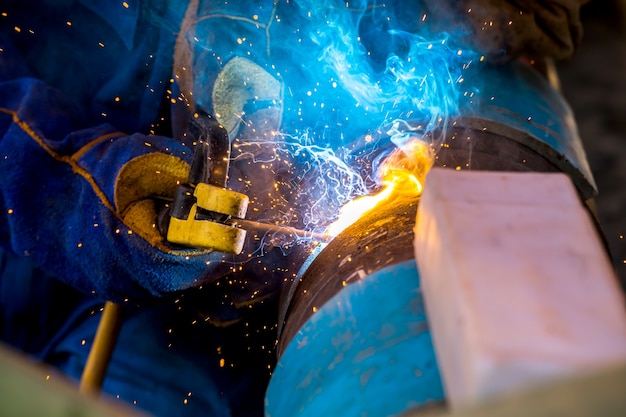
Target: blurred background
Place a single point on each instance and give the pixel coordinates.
(594, 83)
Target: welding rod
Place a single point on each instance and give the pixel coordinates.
(266, 227)
(102, 349)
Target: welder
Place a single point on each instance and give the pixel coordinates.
(98, 103)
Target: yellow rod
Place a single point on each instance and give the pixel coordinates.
(102, 349)
(253, 225)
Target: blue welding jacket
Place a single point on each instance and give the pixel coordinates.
(171, 358)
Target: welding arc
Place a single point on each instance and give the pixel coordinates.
(266, 227)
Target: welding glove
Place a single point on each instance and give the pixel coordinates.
(80, 203)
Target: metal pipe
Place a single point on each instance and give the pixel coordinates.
(354, 316)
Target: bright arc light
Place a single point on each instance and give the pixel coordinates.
(403, 172)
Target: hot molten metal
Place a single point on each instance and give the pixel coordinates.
(402, 172)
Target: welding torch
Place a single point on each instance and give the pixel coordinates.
(207, 215)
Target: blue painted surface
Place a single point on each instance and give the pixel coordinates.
(520, 98)
(367, 352)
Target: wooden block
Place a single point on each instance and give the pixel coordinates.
(517, 284)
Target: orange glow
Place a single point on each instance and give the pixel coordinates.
(402, 172)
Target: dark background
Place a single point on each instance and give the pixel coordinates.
(594, 83)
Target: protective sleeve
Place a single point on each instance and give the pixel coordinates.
(80, 201)
(509, 29)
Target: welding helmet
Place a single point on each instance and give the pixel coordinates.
(220, 67)
(272, 65)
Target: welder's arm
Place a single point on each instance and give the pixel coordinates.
(80, 201)
(509, 29)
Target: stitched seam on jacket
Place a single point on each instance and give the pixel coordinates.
(62, 158)
(76, 156)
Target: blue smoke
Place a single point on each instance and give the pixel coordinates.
(386, 69)
(359, 77)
